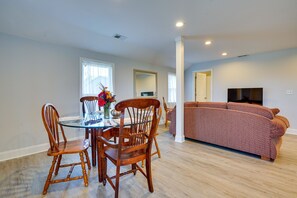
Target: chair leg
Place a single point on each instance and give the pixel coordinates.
(117, 181)
(104, 169)
(133, 166)
(87, 134)
(83, 167)
(149, 173)
(88, 159)
(58, 165)
(157, 147)
(49, 176)
(100, 153)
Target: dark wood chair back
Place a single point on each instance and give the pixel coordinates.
(165, 104)
(50, 117)
(89, 104)
(142, 114)
(166, 111)
(159, 115)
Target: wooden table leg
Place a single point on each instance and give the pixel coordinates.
(94, 134)
(100, 171)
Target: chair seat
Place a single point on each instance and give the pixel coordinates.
(69, 147)
(126, 158)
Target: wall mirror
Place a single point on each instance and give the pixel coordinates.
(145, 84)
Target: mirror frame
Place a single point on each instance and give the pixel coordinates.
(134, 83)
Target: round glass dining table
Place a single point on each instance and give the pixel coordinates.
(95, 123)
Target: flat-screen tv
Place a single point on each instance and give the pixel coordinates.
(147, 93)
(246, 95)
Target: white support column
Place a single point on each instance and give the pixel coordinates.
(179, 43)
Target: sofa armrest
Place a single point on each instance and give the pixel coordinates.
(285, 120)
(278, 127)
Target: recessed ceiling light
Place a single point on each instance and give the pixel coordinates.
(207, 42)
(224, 54)
(179, 24)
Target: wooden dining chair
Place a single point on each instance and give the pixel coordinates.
(166, 109)
(133, 147)
(89, 104)
(159, 114)
(115, 133)
(59, 146)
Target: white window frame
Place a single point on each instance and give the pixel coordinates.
(83, 59)
(168, 89)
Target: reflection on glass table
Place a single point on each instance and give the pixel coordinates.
(93, 121)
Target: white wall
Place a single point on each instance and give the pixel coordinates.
(33, 73)
(276, 72)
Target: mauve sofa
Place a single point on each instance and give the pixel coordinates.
(246, 127)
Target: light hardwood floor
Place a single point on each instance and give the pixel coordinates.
(190, 169)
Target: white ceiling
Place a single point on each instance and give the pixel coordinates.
(236, 26)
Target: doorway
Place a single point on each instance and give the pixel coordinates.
(203, 86)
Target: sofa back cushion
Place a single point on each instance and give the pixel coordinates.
(191, 104)
(219, 105)
(251, 108)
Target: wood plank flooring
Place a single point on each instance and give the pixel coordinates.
(190, 169)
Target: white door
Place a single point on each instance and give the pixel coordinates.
(200, 87)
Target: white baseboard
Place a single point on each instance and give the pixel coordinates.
(30, 150)
(291, 131)
(11, 154)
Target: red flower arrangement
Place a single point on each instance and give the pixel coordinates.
(105, 97)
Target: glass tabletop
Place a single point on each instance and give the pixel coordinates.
(90, 120)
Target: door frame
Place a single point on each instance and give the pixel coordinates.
(211, 81)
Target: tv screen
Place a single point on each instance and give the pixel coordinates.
(147, 93)
(246, 95)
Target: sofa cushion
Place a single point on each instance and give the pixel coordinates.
(251, 108)
(191, 104)
(221, 105)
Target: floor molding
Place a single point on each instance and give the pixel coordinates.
(12, 154)
(291, 131)
(30, 150)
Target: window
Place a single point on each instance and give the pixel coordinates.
(93, 73)
(171, 87)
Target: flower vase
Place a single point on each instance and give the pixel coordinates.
(106, 111)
